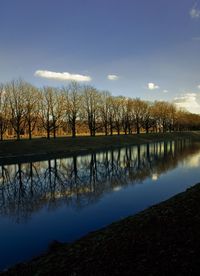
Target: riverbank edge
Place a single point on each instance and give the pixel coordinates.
(162, 239)
(43, 149)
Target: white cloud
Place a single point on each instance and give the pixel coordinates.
(152, 86)
(198, 86)
(112, 77)
(196, 38)
(189, 102)
(165, 91)
(64, 76)
(194, 12)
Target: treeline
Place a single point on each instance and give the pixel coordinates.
(26, 111)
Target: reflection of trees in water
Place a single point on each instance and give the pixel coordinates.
(78, 181)
(20, 189)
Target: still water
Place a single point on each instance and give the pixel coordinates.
(64, 199)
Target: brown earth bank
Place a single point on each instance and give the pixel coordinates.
(162, 240)
(12, 151)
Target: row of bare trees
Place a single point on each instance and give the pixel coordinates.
(28, 111)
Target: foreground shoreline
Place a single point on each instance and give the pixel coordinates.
(42, 149)
(160, 240)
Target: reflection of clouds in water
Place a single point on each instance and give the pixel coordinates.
(193, 161)
(117, 189)
(154, 176)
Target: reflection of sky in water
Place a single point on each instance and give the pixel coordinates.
(154, 177)
(65, 199)
(193, 161)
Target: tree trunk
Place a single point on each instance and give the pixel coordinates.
(1, 129)
(73, 131)
(138, 128)
(18, 134)
(48, 133)
(54, 131)
(147, 128)
(106, 129)
(111, 130)
(29, 130)
(74, 126)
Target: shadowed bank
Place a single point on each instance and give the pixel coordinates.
(160, 240)
(42, 149)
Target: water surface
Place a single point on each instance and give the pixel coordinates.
(63, 199)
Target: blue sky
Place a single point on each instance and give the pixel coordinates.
(152, 46)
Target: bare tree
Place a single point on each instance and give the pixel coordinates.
(73, 102)
(32, 98)
(111, 103)
(57, 110)
(45, 113)
(138, 111)
(125, 115)
(91, 100)
(104, 110)
(130, 115)
(161, 115)
(16, 95)
(118, 113)
(148, 119)
(51, 110)
(172, 116)
(4, 111)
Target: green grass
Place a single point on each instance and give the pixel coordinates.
(162, 240)
(42, 148)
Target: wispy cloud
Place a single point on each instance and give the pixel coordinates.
(112, 77)
(195, 11)
(165, 91)
(196, 38)
(64, 76)
(198, 86)
(189, 102)
(152, 86)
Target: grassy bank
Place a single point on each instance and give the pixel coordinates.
(161, 240)
(40, 149)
